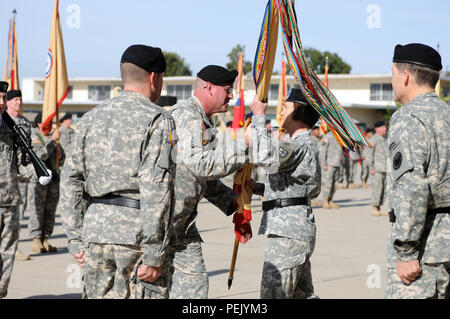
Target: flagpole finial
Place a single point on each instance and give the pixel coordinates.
(14, 11)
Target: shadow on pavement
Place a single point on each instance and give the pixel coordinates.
(65, 296)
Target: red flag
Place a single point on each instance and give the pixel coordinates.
(12, 70)
(239, 109)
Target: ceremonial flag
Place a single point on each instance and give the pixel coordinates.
(348, 135)
(12, 69)
(265, 51)
(282, 92)
(326, 71)
(56, 79)
(239, 109)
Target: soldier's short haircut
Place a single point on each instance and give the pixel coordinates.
(132, 74)
(423, 76)
(305, 114)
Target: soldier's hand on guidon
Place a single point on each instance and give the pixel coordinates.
(258, 107)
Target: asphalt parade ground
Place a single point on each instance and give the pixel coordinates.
(349, 260)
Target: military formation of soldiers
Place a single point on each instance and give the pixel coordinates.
(134, 173)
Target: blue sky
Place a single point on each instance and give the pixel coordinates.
(96, 32)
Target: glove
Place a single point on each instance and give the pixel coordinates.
(44, 180)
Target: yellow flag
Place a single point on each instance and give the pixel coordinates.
(12, 69)
(282, 92)
(56, 79)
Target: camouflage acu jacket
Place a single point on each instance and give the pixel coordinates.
(121, 147)
(294, 171)
(418, 180)
(9, 185)
(204, 156)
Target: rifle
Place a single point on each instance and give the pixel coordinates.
(24, 142)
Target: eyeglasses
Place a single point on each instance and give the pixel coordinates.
(229, 90)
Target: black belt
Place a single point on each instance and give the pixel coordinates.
(284, 202)
(117, 201)
(431, 211)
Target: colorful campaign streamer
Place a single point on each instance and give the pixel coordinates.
(346, 132)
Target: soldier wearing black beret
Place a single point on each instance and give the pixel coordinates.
(418, 178)
(129, 180)
(205, 157)
(3, 90)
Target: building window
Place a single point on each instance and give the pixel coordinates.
(182, 92)
(381, 92)
(99, 92)
(70, 94)
(273, 92)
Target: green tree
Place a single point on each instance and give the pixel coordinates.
(176, 65)
(317, 62)
(234, 59)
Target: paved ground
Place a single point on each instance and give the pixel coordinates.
(349, 260)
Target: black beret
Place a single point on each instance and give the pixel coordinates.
(146, 57)
(3, 87)
(13, 94)
(217, 75)
(379, 124)
(419, 54)
(66, 116)
(296, 96)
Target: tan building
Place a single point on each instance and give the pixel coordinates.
(366, 97)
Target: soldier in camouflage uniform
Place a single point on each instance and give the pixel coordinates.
(377, 166)
(14, 108)
(365, 159)
(331, 159)
(43, 199)
(66, 133)
(9, 199)
(204, 156)
(121, 164)
(288, 219)
(418, 178)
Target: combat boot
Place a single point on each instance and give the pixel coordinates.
(341, 186)
(48, 248)
(20, 255)
(376, 211)
(333, 205)
(315, 202)
(37, 246)
(383, 213)
(365, 185)
(353, 185)
(326, 204)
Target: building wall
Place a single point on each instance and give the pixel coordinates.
(353, 91)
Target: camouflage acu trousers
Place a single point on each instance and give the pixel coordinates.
(433, 283)
(364, 171)
(378, 188)
(110, 272)
(189, 279)
(287, 269)
(23, 187)
(329, 180)
(43, 201)
(9, 239)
